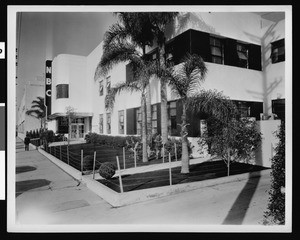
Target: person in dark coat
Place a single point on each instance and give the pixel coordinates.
(26, 142)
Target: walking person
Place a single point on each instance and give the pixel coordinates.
(26, 142)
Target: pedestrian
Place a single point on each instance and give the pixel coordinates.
(158, 144)
(26, 142)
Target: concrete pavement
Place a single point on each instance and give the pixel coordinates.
(48, 195)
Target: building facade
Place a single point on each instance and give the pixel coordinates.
(244, 54)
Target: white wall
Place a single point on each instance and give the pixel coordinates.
(71, 69)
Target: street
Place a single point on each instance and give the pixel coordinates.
(48, 195)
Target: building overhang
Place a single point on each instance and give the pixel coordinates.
(77, 114)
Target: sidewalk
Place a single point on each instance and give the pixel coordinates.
(48, 195)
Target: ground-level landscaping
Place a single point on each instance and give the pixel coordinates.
(159, 178)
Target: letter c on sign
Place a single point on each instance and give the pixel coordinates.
(48, 93)
(0, 50)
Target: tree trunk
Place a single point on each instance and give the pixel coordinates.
(228, 161)
(69, 132)
(163, 93)
(185, 153)
(144, 129)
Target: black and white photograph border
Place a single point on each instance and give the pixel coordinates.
(46, 183)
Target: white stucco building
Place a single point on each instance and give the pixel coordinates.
(244, 54)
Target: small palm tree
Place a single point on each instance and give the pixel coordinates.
(127, 42)
(185, 81)
(38, 110)
(159, 21)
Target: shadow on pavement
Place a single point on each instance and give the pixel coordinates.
(23, 169)
(239, 208)
(23, 186)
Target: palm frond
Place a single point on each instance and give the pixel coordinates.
(35, 113)
(213, 103)
(186, 78)
(116, 34)
(110, 97)
(114, 55)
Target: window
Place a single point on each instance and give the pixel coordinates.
(108, 84)
(217, 50)
(138, 121)
(108, 123)
(101, 88)
(121, 122)
(62, 125)
(243, 109)
(62, 91)
(278, 51)
(154, 118)
(78, 120)
(242, 51)
(101, 123)
(172, 117)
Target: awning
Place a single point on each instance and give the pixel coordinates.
(78, 115)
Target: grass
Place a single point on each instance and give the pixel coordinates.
(159, 178)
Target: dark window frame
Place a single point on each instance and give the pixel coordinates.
(121, 122)
(138, 113)
(214, 44)
(244, 51)
(62, 91)
(101, 121)
(108, 123)
(172, 122)
(277, 56)
(154, 118)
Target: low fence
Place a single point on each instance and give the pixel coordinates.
(80, 156)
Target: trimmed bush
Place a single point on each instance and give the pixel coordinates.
(107, 170)
(276, 207)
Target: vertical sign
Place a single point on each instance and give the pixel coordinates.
(48, 84)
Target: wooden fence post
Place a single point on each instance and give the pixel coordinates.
(134, 158)
(120, 178)
(124, 157)
(60, 152)
(175, 149)
(94, 164)
(170, 170)
(68, 155)
(81, 161)
(163, 152)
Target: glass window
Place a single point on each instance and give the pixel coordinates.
(172, 117)
(108, 123)
(121, 122)
(278, 51)
(62, 91)
(138, 121)
(108, 84)
(217, 50)
(101, 88)
(154, 118)
(101, 123)
(242, 51)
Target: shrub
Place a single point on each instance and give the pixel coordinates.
(276, 206)
(107, 170)
(48, 135)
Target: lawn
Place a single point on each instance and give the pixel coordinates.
(198, 172)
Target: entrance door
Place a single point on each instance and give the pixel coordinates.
(77, 131)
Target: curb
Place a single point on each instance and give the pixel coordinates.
(126, 198)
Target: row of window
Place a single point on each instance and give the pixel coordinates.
(219, 50)
(134, 118)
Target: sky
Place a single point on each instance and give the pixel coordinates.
(43, 35)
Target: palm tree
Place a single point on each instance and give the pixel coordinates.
(121, 44)
(135, 86)
(185, 81)
(159, 21)
(38, 110)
